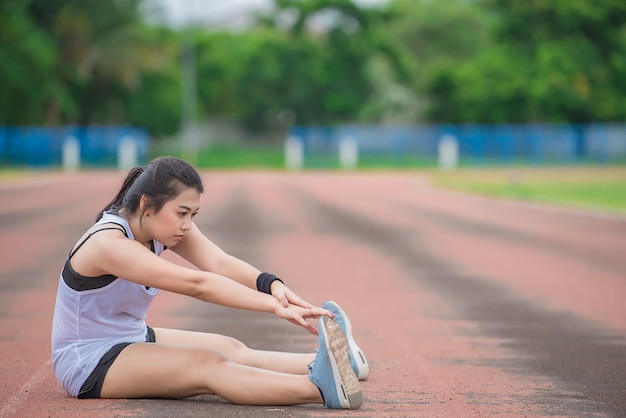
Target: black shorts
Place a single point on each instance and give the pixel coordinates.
(93, 385)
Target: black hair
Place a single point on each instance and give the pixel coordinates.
(160, 181)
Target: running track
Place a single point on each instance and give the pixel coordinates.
(465, 306)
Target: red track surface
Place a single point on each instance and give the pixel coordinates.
(465, 306)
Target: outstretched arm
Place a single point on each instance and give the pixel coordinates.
(132, 261)
(206, 255)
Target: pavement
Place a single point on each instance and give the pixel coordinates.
(465, 306)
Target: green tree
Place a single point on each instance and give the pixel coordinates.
(552, 61)
(28, 57)
(577, 47)
(256, 75)
(440, 31)
(154, 101)
(311, 59)
(100, 54)
(492, 88)
(431, 37)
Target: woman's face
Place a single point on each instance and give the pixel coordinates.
(174, 220)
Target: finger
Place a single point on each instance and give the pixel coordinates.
(315, 313)
(324, 312)
(308, 326)
(281, 297)
(303, 322)
(311, 329)
(301, 302)
(305, 304)
(297, 300)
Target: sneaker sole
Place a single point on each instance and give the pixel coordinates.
(347, 384)
(356, 352)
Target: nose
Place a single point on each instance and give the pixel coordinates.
(186, 226)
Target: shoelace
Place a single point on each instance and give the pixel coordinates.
(310, 365)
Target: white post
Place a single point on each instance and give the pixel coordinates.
(294, 153)
(127, 154)
(71, 154)
(348, 153)
(448, 153)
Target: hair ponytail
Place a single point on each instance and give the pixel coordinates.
(128, 182)
(162, 180)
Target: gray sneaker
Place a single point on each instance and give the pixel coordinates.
(331, 372)
(358, 361)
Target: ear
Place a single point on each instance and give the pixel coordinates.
(143, 202)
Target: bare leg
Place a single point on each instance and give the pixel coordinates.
(155, 370)
(235, 350)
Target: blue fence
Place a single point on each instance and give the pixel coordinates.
(477, 144)
(43, 146)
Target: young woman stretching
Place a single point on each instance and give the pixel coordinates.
(102, 347)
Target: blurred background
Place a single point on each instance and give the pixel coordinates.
(321, 84)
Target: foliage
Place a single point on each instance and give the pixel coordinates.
(313, 69)
(318, 62)
(26, 55)
(84, 55)
(154, 101)
(554, 61)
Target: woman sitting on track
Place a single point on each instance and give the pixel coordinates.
(102, 347)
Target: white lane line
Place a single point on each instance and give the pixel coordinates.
(11, 406)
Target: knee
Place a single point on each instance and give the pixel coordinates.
(236, 347)
(207, 359)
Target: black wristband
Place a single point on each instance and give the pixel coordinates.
(264, 282)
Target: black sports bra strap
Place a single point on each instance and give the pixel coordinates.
(121, 228)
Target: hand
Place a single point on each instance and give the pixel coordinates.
(298, 315)
(286, 296)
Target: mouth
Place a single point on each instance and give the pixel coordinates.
(179, 237)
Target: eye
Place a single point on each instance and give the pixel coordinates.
(193, 215)
(182, 214)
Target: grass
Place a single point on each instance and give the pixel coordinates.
(8, 175)
(232, 157)
(592, 187)
(600, 188)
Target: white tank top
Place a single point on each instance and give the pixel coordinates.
(92, 314)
